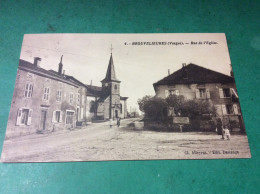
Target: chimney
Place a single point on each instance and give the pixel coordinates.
(63, 72)
(91, 82)
(169, 72)
(183, 65)
(60, 66)
(37, 61)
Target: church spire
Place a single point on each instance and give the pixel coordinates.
(111, 74)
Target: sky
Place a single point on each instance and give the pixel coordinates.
(86, 57)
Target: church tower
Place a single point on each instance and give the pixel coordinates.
(111, 89)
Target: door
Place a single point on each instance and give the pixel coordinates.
(43, 119)
(70, 119)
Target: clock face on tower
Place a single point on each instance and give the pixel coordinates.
(106, 84)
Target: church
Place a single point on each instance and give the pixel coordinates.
(108, 103)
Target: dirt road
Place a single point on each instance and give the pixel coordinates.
(100, 142)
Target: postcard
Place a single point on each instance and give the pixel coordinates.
(103, 97)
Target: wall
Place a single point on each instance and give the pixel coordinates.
(37, 104)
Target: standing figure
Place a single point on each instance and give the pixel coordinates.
(118, 121)
(220, 127)
(226, 133)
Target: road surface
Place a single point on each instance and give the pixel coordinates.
(98, 142)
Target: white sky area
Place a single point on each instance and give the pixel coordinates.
(86, 57)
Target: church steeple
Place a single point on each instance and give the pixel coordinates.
(111, 74)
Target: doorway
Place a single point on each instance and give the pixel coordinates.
(70, 119)
(43, 119)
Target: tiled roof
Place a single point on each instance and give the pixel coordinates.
(195, 74)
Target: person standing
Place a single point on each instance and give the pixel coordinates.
(118, 121)
(220, 127)
(226, 133)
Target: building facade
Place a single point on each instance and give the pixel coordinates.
(195, 82)
(47, 100)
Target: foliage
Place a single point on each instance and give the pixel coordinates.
(156, 108)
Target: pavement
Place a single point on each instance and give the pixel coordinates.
(99, 142)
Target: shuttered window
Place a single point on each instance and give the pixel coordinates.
(224, 93)
(24, 116)
(202, 93)
(56, 116)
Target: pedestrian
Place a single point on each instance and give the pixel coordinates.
(111, 122)
(118, 121)
(226, 132)
(220, 127)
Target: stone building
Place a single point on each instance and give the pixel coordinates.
(109, 103)
(47, 100)
(195, 82)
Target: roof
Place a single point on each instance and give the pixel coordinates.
(123, 98)
(111, 74)
(195, 74)
(49, 73)
(95, 91)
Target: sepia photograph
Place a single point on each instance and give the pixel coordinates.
(103, 97)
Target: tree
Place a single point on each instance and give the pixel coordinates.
(155, 108)
(143, 101)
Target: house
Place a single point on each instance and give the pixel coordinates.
(196, 82)
(47, 100)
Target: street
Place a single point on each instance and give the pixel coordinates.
(99, 142)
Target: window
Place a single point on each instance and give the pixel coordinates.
(46, 94)
(229, 109)
(78, 98)
(224, 92)
(56, 117)
(71, 98)
(70, 118)
(28, 90)
(24, 116)
(115, 87)
(58, 97)
(171, 92)
(202, 93)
